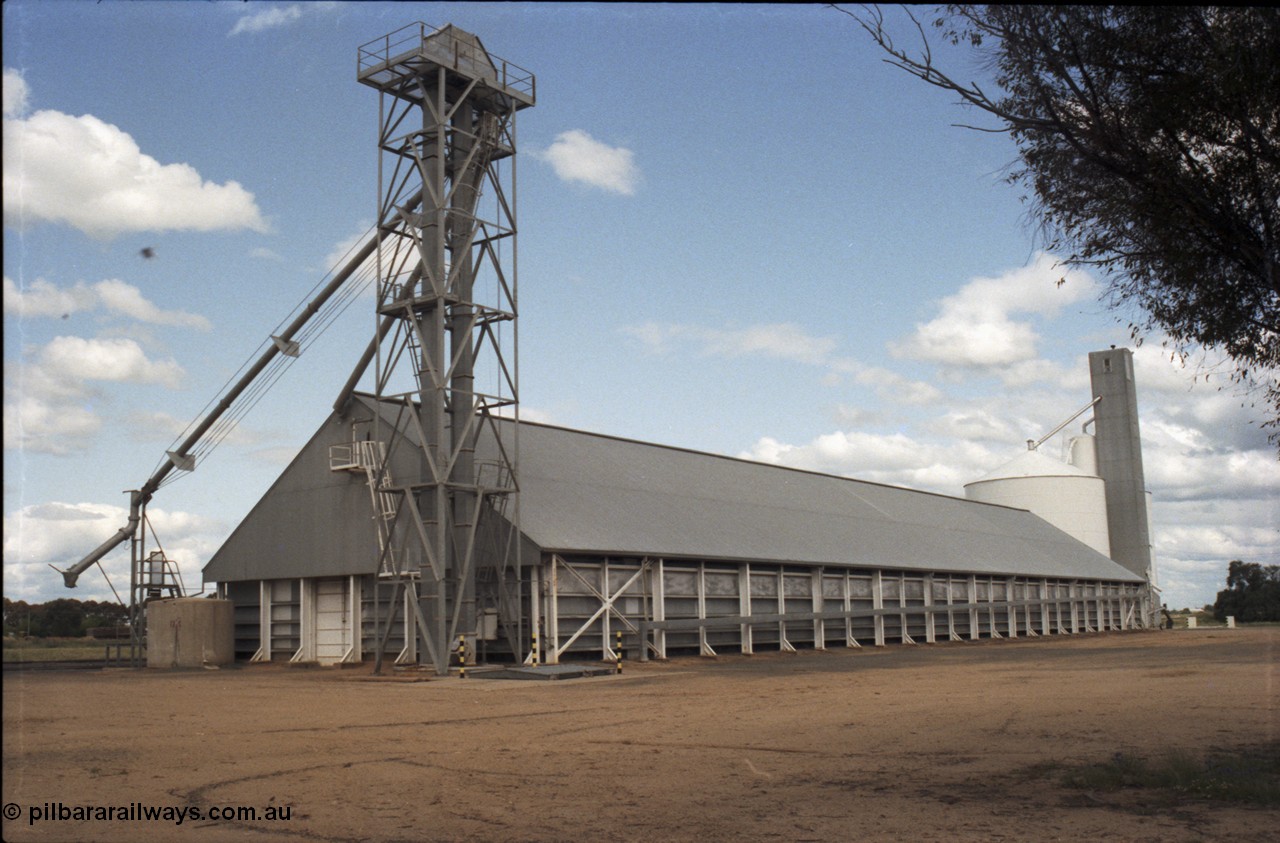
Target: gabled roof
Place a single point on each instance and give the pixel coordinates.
(590, 493)
(587, 493)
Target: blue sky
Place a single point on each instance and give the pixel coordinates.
(740, 232)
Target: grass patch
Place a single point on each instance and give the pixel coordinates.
(1250, 776)
(27, 650)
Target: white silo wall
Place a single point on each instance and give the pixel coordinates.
(1064, 495)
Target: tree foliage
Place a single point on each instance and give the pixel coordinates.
(61, 618)
(1252, 593)
(1149, 140)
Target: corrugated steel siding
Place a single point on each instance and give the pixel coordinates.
(312, 522)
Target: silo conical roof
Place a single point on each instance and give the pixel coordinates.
(1032, 464)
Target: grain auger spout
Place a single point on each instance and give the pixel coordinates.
(70, 575)
(139, 498)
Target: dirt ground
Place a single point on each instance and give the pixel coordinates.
(943, 742)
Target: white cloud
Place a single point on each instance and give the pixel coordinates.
(896, 459)
(48, 425)
(1195, 540)
(1186, 463)
(1199, 394)
(992, 341)
(974, 424)
(576, 156)
(903, 390)
(1219, 542)
(63, 533)
(1026, 373)
(975, 327)
(44, 299)
(118, 360)
(127, 300)
(50, 407)
(782, 341)
(16, 94)
(276, 17)
(538, 415)
(267, 19)
(92, 176)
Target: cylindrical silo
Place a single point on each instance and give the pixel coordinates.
(1066, 496)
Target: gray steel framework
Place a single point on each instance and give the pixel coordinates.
(584, 603)
(650, 607)
(446, 309)
(151, 576)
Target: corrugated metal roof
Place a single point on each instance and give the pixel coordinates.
(594, 494)
(590, 493)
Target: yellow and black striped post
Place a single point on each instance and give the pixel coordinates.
(534, 651)
(617, 651)
(462, 657)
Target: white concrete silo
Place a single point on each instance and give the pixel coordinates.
(1070, 497)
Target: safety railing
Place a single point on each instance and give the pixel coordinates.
(413, 40)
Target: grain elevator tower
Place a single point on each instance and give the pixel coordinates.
(1119, 445)
(444, 352)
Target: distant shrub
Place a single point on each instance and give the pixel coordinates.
(1252, 593)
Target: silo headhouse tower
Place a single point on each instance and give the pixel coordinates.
(446, 307)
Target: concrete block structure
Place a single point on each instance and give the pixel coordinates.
(190, 632)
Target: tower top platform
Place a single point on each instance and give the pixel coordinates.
(389, 62)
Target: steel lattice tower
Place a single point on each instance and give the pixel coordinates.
(446, 305)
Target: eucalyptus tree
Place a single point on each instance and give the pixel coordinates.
(1149, 146)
